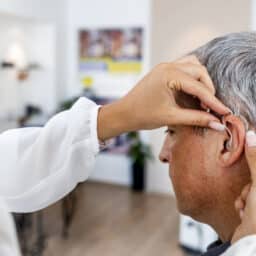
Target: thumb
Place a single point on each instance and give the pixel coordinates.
(250, 153)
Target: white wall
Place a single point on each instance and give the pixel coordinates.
(253, 15)
(106, 14)
(178, 27)
(38, 43)
(46, 11)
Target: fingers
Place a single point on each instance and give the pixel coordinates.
(250, 153)
(197, 89)
(191, 117)
(245, 192)
(192, 66)
(189, 58)
(241, 200)
(198, 72)
(240, 206)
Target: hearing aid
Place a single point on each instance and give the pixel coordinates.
(229, 142)
(246, 125)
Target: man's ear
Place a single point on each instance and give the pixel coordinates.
(233, 143)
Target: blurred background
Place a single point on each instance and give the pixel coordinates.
(54, 51)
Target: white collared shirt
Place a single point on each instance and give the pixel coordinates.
(244, 247)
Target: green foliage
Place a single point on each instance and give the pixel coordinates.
(139, 151)
(67, 104)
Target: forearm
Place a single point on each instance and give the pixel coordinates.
(113, 120)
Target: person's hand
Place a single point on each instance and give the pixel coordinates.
(151, 103)
(246, 202)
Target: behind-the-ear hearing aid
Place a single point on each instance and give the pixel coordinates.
(229, 142)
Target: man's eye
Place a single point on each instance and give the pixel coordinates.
(170, 132)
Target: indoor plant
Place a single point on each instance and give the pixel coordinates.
(139, 152)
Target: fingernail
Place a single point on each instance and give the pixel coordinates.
(217, 126)
(230, 111)
(251, 139)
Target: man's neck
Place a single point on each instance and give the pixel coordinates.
(227, 226)
(222, 216)
(224, 223)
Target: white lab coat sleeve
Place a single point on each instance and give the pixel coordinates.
(9, 245)
(244, 247)
(39, 166)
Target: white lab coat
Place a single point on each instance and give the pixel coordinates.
(39, 166)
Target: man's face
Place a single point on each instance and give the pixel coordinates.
(192, 168)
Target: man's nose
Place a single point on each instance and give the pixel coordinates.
(164, 155)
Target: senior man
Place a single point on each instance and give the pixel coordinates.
(208, 169)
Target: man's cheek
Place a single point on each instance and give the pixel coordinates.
(179, 159)
(179, 175)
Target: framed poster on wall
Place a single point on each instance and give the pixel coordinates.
(111, 50)
(110, 60)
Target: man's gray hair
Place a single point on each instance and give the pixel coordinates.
(231, 63)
